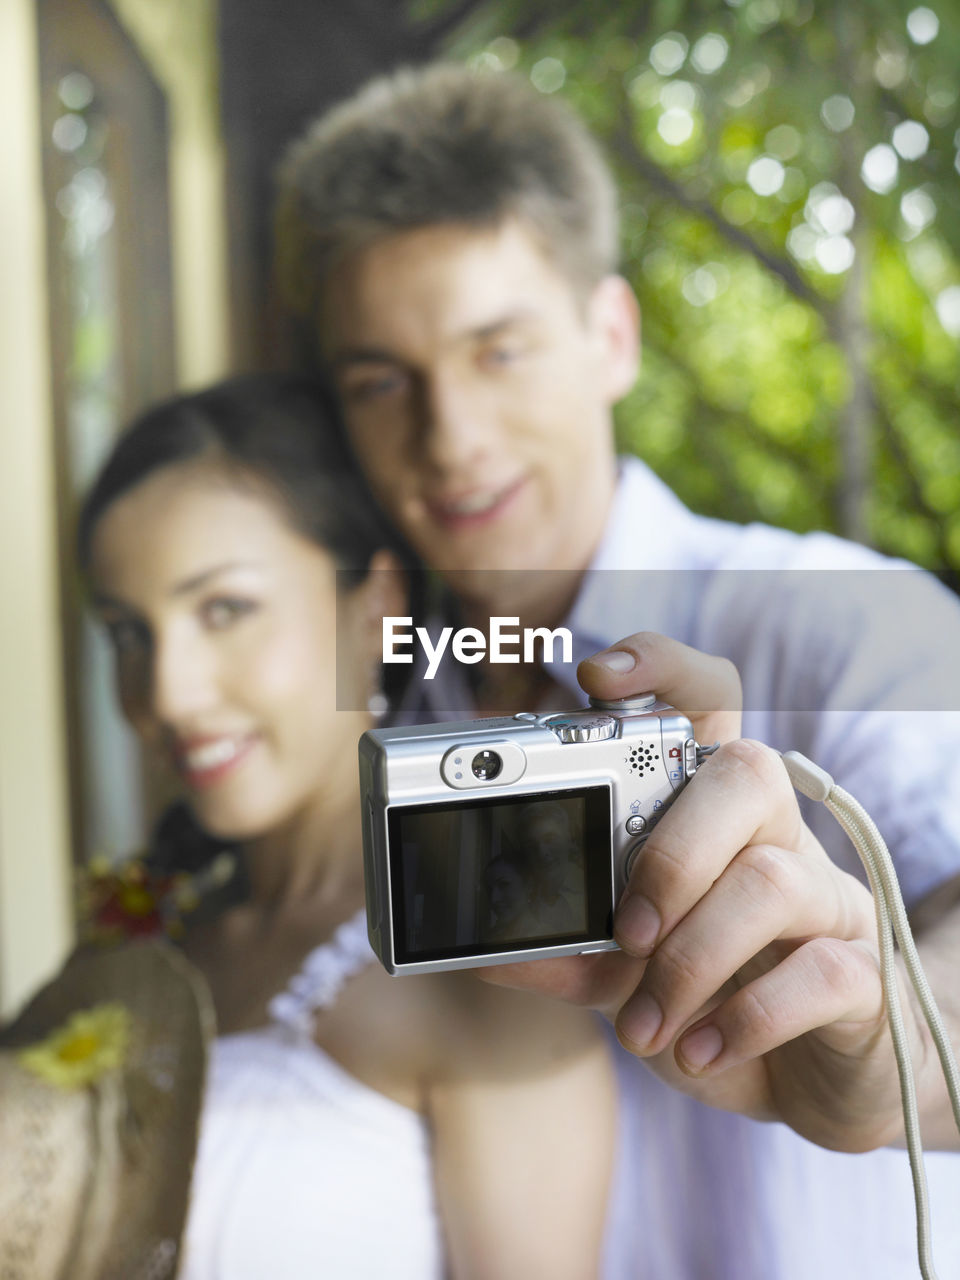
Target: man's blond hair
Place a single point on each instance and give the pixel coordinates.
(442, 145)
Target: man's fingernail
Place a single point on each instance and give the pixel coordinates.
(637, 924)
(700, 1047)
(639, 1019)
(615, 660)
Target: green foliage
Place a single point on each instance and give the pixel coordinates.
(790, 180)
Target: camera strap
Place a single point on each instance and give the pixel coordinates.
(892, 926)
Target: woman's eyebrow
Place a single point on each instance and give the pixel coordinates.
(103, 600)
(187, 585)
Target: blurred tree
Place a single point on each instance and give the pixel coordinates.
(790, 185)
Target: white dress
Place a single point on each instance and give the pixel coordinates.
(303, 1172)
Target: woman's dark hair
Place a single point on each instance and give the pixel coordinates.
(280, 432)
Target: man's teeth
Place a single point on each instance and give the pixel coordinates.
(212, 754)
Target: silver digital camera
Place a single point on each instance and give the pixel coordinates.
(497, 840)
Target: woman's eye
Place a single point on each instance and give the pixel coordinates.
(127, 636)
(222, 612)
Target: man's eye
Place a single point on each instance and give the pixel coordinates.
(224, 611)
(502, 354)
(374, 387)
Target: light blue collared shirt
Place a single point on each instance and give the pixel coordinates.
(853, 660)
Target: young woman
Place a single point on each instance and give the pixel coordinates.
(355, 1124)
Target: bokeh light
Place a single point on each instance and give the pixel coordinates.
(548, 75)
(922, 25)
(911, 139)
(709, 53)
(880, 168)
(837, 112)
(669, 53)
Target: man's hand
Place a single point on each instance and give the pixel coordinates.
(748, 974)
(706, 689)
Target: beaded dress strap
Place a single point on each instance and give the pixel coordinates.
(322, 976)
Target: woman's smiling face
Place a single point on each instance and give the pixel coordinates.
(224, 623)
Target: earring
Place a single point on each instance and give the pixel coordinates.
(377, 703)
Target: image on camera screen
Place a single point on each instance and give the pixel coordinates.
(487, 875)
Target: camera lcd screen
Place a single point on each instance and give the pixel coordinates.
(476, 876)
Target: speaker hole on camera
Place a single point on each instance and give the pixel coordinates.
(642, 759)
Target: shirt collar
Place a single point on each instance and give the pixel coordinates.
(648, 536)
(648, 528)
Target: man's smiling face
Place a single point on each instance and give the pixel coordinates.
(477, 389)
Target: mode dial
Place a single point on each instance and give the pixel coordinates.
(583, 726)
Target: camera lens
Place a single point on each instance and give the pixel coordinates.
(486, 765)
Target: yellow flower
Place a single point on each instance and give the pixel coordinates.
(89, 1044)
(136, 900)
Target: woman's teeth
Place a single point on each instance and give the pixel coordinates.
(211, 754)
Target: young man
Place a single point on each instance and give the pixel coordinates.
(451, 240)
